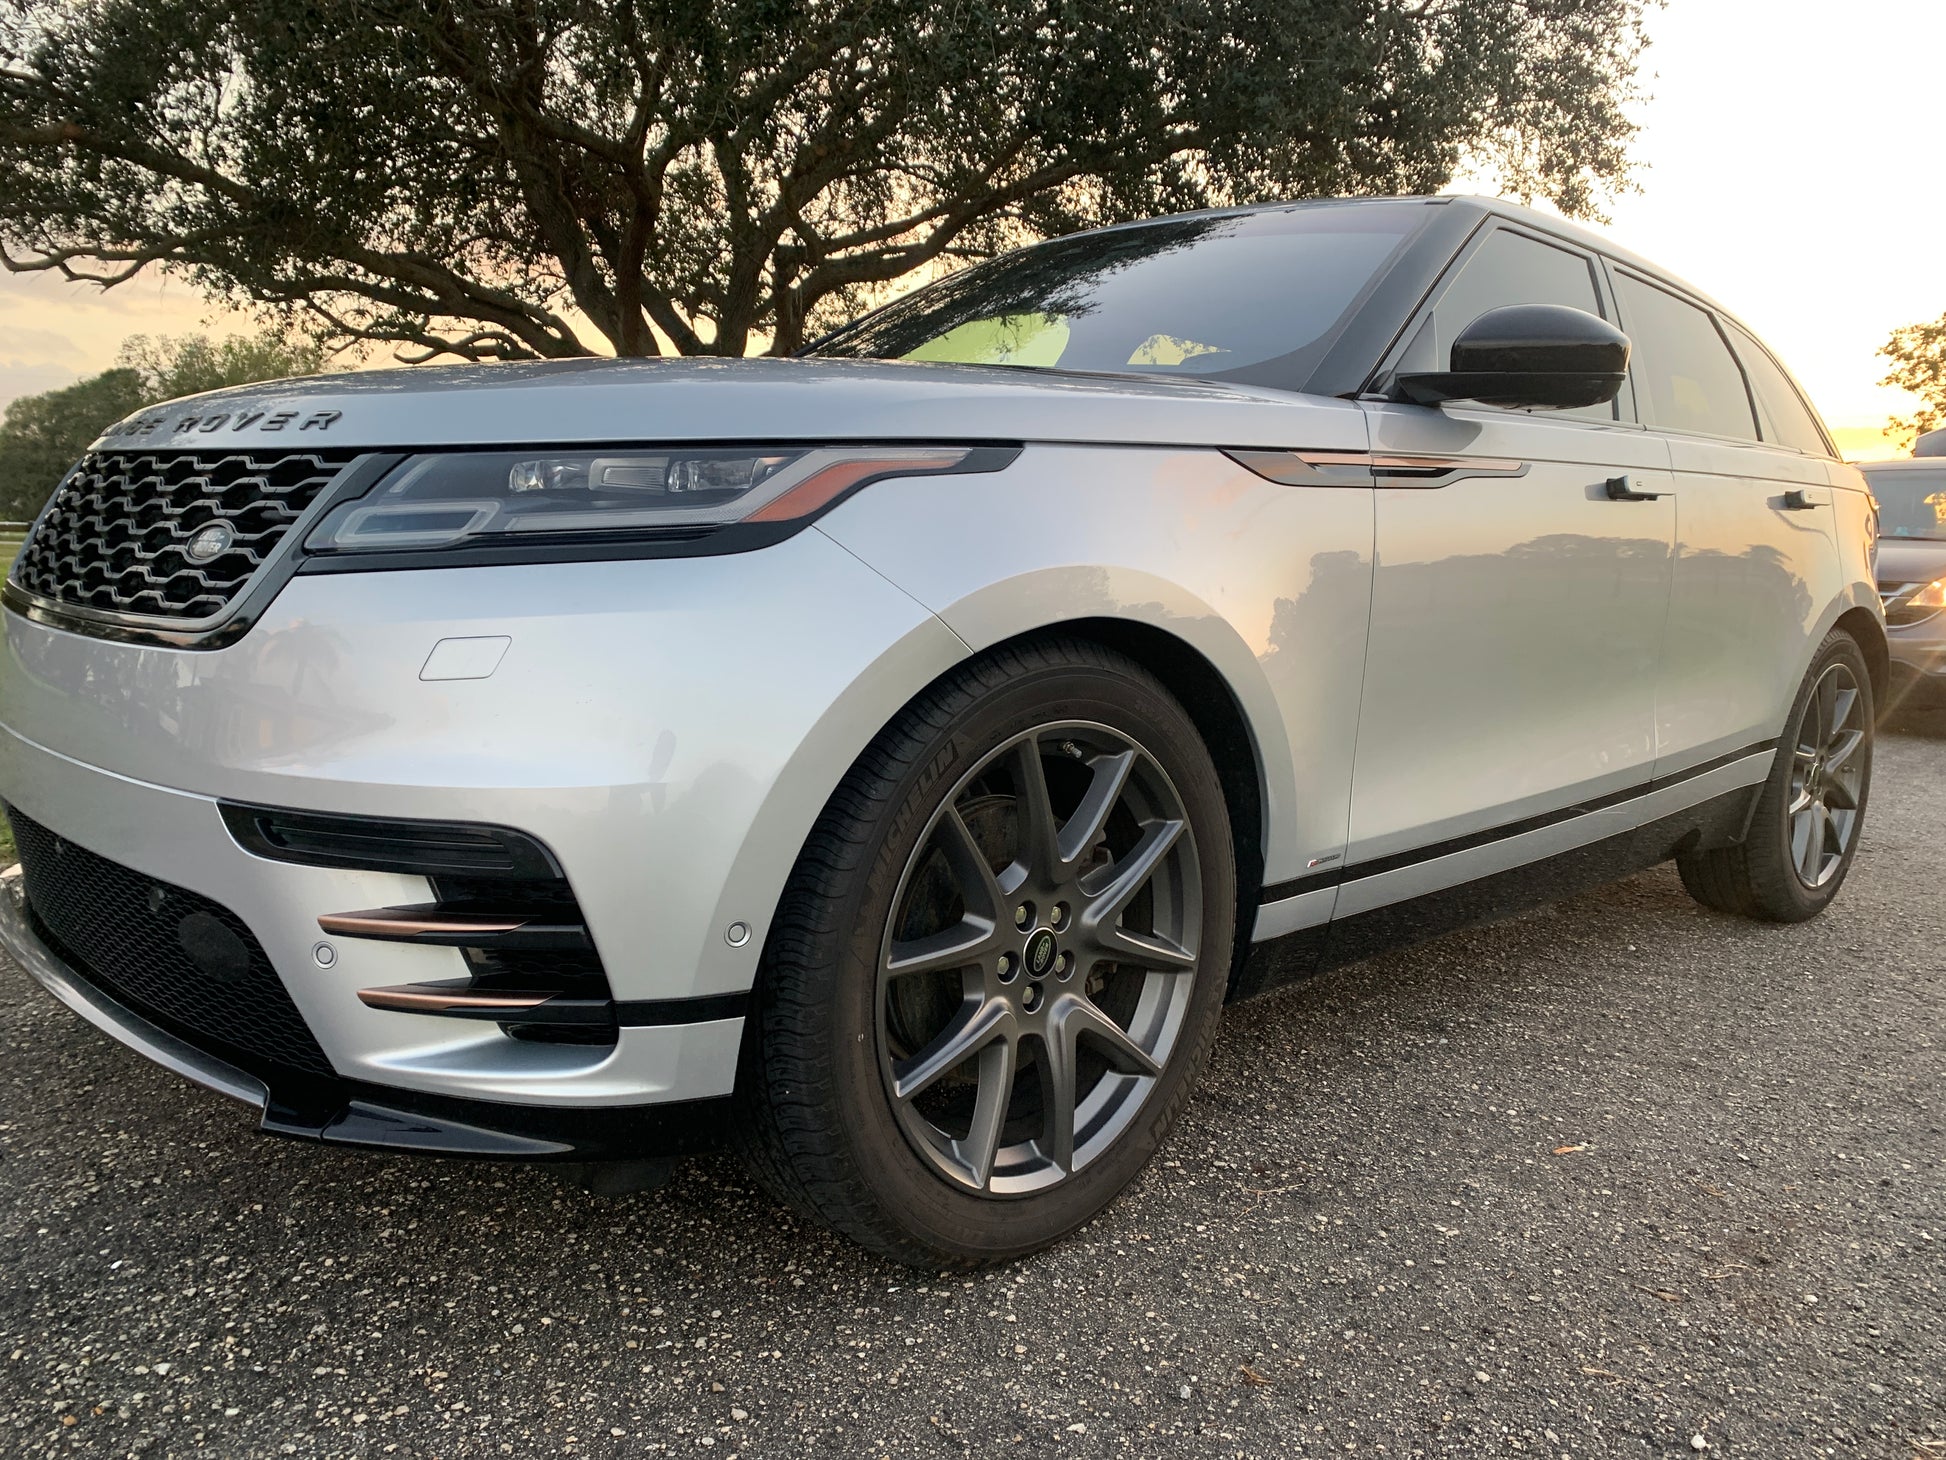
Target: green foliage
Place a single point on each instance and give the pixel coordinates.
(171, 366)
(41, 436)
(506, 178)
(1918, 356)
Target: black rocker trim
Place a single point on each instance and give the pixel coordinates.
(1377, 866)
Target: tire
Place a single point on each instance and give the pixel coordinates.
(931, 909)
(1815, 795)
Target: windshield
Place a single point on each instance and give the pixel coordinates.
(1255, 297)
(1910, 503)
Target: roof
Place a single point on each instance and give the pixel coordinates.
(1534, 218)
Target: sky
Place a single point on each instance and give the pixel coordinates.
(1788, 166)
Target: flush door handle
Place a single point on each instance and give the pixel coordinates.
(1621, 489)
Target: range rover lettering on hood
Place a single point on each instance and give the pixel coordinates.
(152, 426)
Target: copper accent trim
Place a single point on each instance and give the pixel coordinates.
(392, 922)
(1334, 458)
(430, 999)
(1477, 466)
(1427, 465)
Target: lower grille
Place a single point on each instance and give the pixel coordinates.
(185, 963)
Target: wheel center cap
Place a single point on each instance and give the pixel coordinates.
(1038, 956)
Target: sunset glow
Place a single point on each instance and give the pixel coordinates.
(1788, 168)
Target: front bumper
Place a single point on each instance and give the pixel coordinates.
(357, 1113)
(669, 730)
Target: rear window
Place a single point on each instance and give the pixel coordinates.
(1686, 377)
(1786, 419)
(1910, 503)
(1254, 297)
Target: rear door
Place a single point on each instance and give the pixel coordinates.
(1517, 608)
(1756, 561)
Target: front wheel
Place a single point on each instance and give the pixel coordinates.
(999, 964)
(1804, 831)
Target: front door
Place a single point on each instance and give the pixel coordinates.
(1518, 603)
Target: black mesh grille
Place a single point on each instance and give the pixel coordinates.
(176, 958)
(118, 533)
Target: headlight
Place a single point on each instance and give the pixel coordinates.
(1933, 595)
(459, 497)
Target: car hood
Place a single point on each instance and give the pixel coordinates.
(531, 403)
(1910, 560)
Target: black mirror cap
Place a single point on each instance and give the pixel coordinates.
(1529, 355)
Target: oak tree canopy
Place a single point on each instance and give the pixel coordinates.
(490, 179)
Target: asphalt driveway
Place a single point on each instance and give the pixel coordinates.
(1620, 1177)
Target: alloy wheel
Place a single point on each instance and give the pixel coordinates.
(1037, 969)
(1827, 777)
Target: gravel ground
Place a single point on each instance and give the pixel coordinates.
(1619, 1177)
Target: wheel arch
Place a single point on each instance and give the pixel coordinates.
(1869, 634)
(1219, 708)
(1210, 701)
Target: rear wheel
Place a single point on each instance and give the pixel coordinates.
(1804, 831)
(999, 965)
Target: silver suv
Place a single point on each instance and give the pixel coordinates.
(891, 760)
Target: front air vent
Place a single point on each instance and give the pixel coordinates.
(499, 897)
(384, 844)
(168, 538)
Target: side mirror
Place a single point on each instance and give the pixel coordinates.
(1529, 355)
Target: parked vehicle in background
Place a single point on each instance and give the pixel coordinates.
(901, 754)
(1911, 497)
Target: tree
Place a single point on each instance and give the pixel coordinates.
(189, 364)
(1918, 356)
(509, 178)
(41, 436)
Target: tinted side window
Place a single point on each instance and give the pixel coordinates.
(1510, 268)
(1687, 378)
(1786, 419)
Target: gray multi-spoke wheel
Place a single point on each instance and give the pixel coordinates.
(1828, 766)
(1038, 964)
(1804, 830)
(1000, 962)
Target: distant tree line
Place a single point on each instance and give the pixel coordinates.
(41, 436)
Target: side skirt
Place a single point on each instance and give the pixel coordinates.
(1277, 962)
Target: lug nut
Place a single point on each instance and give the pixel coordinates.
(1006, 967)
(1024, 916)
(1030, 998)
